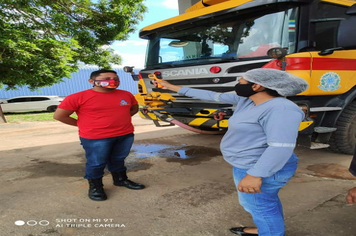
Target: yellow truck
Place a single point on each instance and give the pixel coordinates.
(214, 42)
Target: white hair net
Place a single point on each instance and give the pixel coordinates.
(286, 84)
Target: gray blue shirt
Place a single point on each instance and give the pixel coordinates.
(260, 138)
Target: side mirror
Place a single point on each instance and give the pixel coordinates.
(128, 69)
(277, 53)
(347, 33)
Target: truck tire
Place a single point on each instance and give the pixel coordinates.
(343, 140)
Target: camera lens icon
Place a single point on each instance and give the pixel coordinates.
(32, 222)
(20, 222)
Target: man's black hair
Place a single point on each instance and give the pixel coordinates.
(96, 73)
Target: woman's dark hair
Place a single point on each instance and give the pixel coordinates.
(272, 92)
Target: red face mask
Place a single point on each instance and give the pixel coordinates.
(110, 83)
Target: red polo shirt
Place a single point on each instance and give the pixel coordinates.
(101, 115)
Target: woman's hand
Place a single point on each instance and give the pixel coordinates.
(166, 85)
(351, 196)
(250, 184)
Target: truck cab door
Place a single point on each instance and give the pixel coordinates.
(333, 69)
(333, 74)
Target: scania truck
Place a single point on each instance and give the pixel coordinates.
(214, 42)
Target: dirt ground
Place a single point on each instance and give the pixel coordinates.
(189, 191)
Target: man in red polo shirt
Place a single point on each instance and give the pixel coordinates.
(105, 129)
(351, 195)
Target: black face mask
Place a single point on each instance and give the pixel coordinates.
(244, 90)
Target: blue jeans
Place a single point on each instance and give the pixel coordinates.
(110, 152)
(265, 207)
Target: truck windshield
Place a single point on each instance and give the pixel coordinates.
(216, 40)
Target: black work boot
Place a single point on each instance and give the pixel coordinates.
(120, 179)
(96, 191)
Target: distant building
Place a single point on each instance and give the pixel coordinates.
(77, 82)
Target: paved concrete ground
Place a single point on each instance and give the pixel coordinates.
(189, 191)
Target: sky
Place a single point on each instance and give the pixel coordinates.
(133, 50)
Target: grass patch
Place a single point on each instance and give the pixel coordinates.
(29, 117)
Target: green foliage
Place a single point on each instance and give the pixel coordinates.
(42, 41)
(31, 117)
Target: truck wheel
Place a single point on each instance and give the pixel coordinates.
(343, 140)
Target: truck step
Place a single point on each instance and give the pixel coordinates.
(320, 109)
(318, 145)
(322, 130)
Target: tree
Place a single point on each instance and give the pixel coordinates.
(43, 41)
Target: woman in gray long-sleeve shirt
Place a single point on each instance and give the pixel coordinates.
(260, 141)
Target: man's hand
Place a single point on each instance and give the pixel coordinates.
(351, 197)
(134, 109)
(250, 184)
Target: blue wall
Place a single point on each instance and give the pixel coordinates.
(77, 82)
